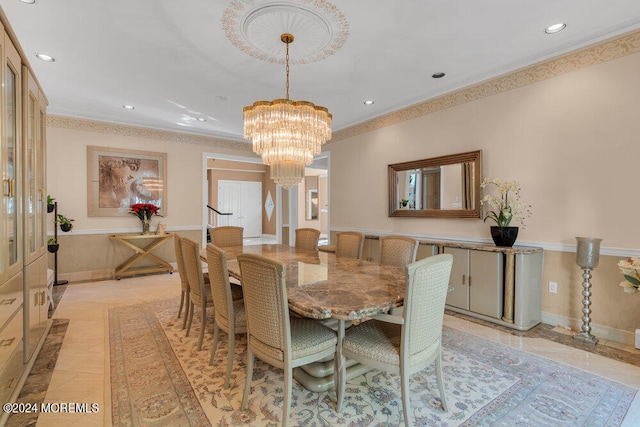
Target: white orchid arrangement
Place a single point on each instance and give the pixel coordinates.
(630, 269)
(506, 206)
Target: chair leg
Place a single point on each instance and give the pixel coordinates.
(202, 327)
(181, 303)
(406, 399)
(187, 310)
(247, 387)
(190, 318)
(216, 335)
(443, 398)
(286, 405)
(232, 344)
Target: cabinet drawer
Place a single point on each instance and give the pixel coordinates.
(11, 351)
(11, 297)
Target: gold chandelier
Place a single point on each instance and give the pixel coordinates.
(287, 134)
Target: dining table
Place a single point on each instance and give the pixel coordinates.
(335, 290)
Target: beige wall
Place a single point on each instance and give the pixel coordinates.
(571, 141)
(87, 252)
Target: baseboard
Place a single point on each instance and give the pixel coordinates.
(600, 331)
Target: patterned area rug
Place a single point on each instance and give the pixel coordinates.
(160, 378)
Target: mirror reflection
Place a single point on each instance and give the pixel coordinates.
(311, 197)
(446, 186)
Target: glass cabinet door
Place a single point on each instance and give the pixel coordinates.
(30, 188)
(33, 170)
(11, 161)
(41, 167)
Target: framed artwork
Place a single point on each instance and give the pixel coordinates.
(118, 178)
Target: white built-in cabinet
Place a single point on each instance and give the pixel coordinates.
(477, 281)
(23, 254)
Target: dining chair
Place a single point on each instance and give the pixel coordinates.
(272, 335)
(199, 291)
(408, 343)
(350, 244)
(307, 238)
(229, 315)
(226, 236)
(398, 251)
(184, 284)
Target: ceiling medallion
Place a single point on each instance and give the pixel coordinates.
(255, 27)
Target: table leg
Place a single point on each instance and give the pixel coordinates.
(340, 368)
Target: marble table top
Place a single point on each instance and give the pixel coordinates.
(322, 286)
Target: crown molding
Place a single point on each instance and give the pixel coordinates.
(613, 49)
(140, 132)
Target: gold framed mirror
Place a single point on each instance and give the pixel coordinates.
(440, 187)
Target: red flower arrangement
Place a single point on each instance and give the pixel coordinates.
(144, 210)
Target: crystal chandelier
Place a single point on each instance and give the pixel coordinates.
(287, 134)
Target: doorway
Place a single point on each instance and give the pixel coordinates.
(244, 200)
(282, 204)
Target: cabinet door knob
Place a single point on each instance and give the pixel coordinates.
(464, 278)
(7, 301)
(469, 281)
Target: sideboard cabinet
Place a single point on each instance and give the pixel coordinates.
(498, 284)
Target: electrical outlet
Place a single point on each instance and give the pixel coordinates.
(553, 287)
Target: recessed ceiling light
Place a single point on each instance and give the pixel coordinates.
(128, 107)
(202, 119)
(45, 57)
(369, 102)
(555, 28)
(438, 75)
(28, 1)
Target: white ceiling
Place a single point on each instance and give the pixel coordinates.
(176, 61)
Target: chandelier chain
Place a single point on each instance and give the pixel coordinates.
(287, 62)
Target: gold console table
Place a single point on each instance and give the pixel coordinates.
(142, 249)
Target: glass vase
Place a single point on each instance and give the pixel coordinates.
(145, 226)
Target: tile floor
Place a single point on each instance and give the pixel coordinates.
(79, 374)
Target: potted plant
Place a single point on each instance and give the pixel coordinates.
(506, 206)
(65, 223)
(50, 204)
(52, 245)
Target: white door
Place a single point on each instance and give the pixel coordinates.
(244, 200)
